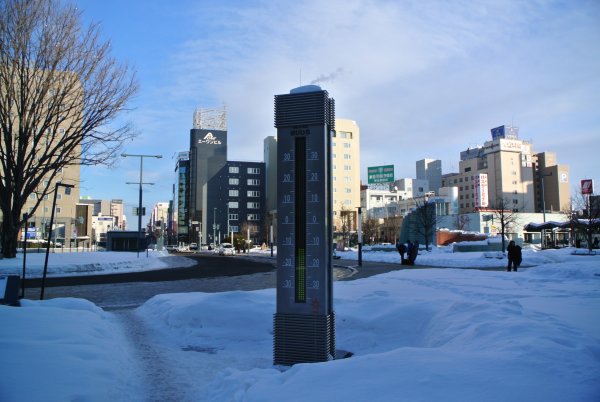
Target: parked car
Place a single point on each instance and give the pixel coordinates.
(226, 249)
(193, 246)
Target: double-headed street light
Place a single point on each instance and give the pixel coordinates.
(140, 195)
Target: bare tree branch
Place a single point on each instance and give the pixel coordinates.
(61, 92)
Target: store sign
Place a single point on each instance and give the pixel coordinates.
(587, 187)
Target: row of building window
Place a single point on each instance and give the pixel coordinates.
(249, 217)
(251, 182)
(249, 205)
(250, 170)
(249, 193)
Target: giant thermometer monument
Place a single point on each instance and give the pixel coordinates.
(304, 323)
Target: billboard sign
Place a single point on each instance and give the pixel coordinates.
(480, 189)
(381, 174)
(587, 187)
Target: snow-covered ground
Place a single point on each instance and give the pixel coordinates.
(417, 335)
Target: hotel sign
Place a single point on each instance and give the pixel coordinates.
(381, 174)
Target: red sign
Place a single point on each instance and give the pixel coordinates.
(587, 187)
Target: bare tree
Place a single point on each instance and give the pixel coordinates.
(61, 91)
(462, 221)
(506, 216)
(586, 217)
(346, 220)
(425, 219)
(370, 229)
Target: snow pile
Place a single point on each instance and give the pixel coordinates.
(90, 263)
(416, 334)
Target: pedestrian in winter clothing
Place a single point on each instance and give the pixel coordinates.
(401, 250)
(513, 254)
(518, 256)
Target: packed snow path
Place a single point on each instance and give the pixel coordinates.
(160, 372)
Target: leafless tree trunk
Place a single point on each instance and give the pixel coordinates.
(425, 219)
(506, 216)
(586, 217)
(370, 228)
(60, 93)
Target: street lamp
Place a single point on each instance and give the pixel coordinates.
(215, 226)
(69, 187)
(542, 176)
(360, 240)
(140, 195)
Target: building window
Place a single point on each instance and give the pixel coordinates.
(515, 201)
(233, 181)
(252, 193)
(347, 156)
(32, 196)
(58, 196)
(233, 217)
(253, 205)
(58, 210)
(234, 169)
(347, 167)
(346, 145)
(467, 169)
(348, 190)
(253, 217)
(234, 193)
(345, 134)
(253, 182)
(233, 204)
(253, 170)
(234, 229)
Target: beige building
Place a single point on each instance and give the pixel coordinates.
(505, 172)
(345, 149)
(65, 214)
(552, 180)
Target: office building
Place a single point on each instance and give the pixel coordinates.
(552, 187)
(345, 150)
(430, 170)
(224, 196)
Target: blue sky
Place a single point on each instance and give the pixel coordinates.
(421, 79)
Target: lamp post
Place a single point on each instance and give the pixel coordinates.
(542, 176)
(140, 193)
(215, 226)
(359, 227)
(69, 187)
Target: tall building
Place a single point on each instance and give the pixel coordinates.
(181, 221)
(504, 172)
(270, 159)
(430, 170)
(345, 156)
(223, 196)
(551, 183)
(208, 157)
(345, 149)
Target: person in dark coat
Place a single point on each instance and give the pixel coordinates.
(518, 256)
(401, 250)
(512, 255)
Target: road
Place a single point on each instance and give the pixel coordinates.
(210, 274)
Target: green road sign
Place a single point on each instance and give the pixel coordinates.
(381, 174)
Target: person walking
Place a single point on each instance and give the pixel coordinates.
(401, 250)
(518, 256)
(512, 255)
